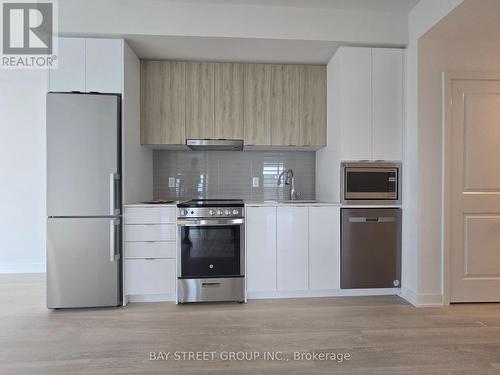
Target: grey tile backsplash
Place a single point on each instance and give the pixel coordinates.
(228, 174)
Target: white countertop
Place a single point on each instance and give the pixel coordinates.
(250, 203)
(173, 204)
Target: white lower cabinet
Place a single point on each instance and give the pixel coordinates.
(150, 251)
(261, 249)
(149, 276)
(324, 248)
(292, 248)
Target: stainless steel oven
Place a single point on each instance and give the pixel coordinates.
(211, 261)
(371, 183)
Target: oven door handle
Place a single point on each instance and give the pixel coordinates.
(207, 222)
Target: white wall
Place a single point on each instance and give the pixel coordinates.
(435, 57)
(414, 264)
(137, 160)
(22, 170)
(153, 17)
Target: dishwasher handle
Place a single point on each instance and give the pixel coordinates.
(372, 219)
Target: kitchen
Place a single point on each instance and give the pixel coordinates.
(272, 183)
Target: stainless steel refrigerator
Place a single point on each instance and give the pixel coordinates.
(83, 200)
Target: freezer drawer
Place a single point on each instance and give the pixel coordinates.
(370, 248)
(82, 267)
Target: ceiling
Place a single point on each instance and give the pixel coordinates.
(472, 20)
(231, 49)
(369, 5)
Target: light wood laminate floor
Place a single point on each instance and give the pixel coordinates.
(383, 335)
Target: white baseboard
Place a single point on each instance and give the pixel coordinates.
(152, 298)
(324, 293)
(421, 300)
(22, 268)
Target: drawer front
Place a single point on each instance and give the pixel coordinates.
(150, 250)
(151, 232)
(149, 276)
(150, 215)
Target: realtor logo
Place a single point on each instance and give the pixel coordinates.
(28, 34)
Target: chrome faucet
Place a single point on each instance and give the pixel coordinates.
(289, 179)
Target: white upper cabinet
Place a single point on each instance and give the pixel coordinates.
(261, 248)
(70, 72)
(292, 248)
(387, 88)
(355, 103)
(103, 65)
(370, 102)
(88, 65)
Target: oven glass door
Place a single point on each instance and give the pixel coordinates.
(210, 250)
(371, 183)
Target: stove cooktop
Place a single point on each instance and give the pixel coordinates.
(212, 203)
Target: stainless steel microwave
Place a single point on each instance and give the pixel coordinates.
(371, 183)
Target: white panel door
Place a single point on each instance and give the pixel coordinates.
(324, 248)
(475, 191)
(103, 65)
(387, 91)
(70, 72)
(150, 276)
(356, 103)
(292, 248)
(261, 248)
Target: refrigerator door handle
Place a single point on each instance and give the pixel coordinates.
(113, 223)
(113, 177)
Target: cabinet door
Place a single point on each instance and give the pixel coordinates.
(324, 248)
(199, 100)
(285, 82)
(70, 72)
(261, 249)
(103, 65)
(387, 84)
(149, 276)
(313, 105)
(257, 96)
(163, 94)
(228, 101)
(356, 103)
(292, 248)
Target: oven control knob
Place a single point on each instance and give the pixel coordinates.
(211, 212)
(236, 212)
(220, 212)
(183, 212)
(228, 212)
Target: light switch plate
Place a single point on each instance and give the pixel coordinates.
(255, 182)
(171, 182)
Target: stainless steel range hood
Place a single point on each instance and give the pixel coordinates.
(215, 144)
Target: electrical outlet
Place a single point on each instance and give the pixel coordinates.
(255, 182)
(171, 182)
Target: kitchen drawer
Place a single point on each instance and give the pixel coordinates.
(150, 232)
(150, 249)
(149, 276)
(150, 215)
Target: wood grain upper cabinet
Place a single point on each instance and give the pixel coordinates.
(312, 105)
(199, 100)
(228, 101)
(163, 91)
(285, 85)
(257, 97)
